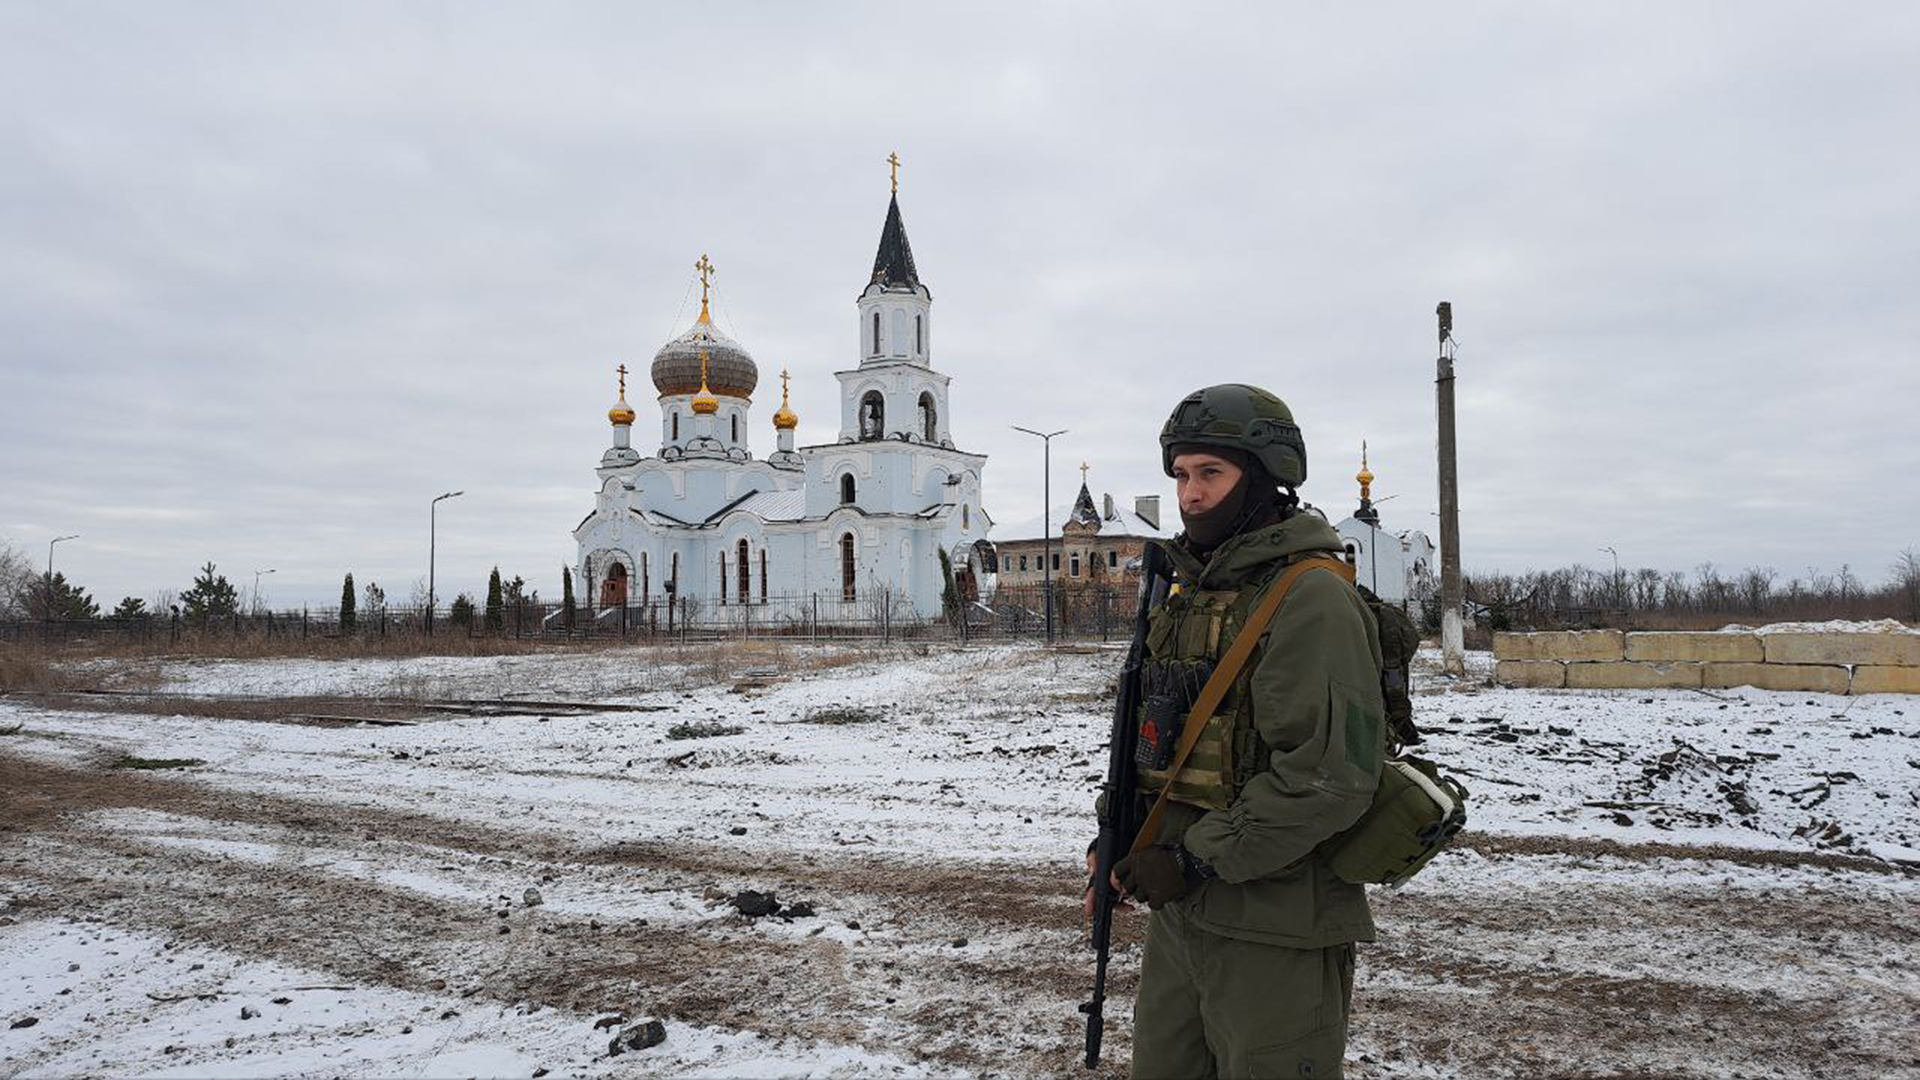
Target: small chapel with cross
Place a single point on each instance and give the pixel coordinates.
(887, 512)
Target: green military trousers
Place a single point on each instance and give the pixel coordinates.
(1213, 1006)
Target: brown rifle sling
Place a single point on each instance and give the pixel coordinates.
(1212, 694)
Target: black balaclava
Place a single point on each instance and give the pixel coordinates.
(1254, 502)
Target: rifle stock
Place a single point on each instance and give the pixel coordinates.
(1120, 822)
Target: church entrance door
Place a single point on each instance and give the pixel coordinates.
(613, 591)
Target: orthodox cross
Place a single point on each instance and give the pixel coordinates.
(783, 385)
(1083, 474)
(893, 170)
(705, 266)
(622, 369)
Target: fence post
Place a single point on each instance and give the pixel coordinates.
(623, 620)
(303, 624)
(383, 621)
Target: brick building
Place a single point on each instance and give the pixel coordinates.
(1092, 542)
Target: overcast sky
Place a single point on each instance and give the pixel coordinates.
(273, 275)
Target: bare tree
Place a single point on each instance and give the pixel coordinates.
(1756, 586)
(1906, 581)
(16, 575)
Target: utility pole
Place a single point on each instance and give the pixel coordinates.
(1452, 633)
(433, 510)
(256, 589)
(1046, 519)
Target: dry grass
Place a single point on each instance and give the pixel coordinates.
(120, 664)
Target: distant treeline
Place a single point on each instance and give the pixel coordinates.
(1708, 597)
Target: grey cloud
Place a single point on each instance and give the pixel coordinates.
(271, 276)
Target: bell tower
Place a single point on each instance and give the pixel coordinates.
(894, 393)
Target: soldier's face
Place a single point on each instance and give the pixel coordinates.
(1202, 480)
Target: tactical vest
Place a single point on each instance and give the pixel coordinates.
(1186, 636)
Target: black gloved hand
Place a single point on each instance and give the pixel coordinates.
(1158, 874)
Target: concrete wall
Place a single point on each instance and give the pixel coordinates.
(1818, 661)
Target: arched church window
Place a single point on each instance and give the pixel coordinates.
(966, 521)
(676, 427)
(763, 575)
(646, 575)
(736, 426)
(899, 332)
(1075, 564)
(846, 489)
(919, 338)
(1113, 559)
(613, 591)
(1353, 553)
(846, 566)
(876, 333)
(929, 417)
(745, 583)
(873, 414)
(723, 577)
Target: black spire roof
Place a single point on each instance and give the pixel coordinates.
(1083, 509)
(893, 263)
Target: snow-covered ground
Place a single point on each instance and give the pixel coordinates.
(1661, 882)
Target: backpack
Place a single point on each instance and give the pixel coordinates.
(1417, 808)
(1399, 641)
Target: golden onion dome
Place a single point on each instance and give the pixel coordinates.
(1365, 475)
(786, 419)
(704, 402)
(621, 413)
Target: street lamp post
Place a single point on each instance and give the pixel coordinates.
(1616, 575)
(256, 589)
(1046, 518)
(49, 591)
(433, 510)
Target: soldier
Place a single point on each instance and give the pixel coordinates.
(1250, 944)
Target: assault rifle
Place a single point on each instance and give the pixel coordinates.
(1120, 823)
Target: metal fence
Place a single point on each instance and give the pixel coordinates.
(1086, 612)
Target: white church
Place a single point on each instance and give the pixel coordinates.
(1397, 566)
(887, 516)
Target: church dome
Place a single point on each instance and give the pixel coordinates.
(730, 368)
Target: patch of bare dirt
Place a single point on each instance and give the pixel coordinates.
(982, 967)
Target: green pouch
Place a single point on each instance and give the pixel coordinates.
(1414, 813)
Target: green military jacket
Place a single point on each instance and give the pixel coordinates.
(1310, 731)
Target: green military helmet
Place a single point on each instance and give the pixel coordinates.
(1245, 418)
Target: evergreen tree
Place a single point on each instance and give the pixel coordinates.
(566, 597)
(949, 596)
(211, 596)
(348, 620)
(496, 618)
(461, 614)
(58, 598)
(131, 607)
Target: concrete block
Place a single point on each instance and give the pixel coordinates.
(1881, 679)
(1893, 650)
(1531, 674)
(1630, 675)
(1580, 645)
(1658, 646)
(1816, 677)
